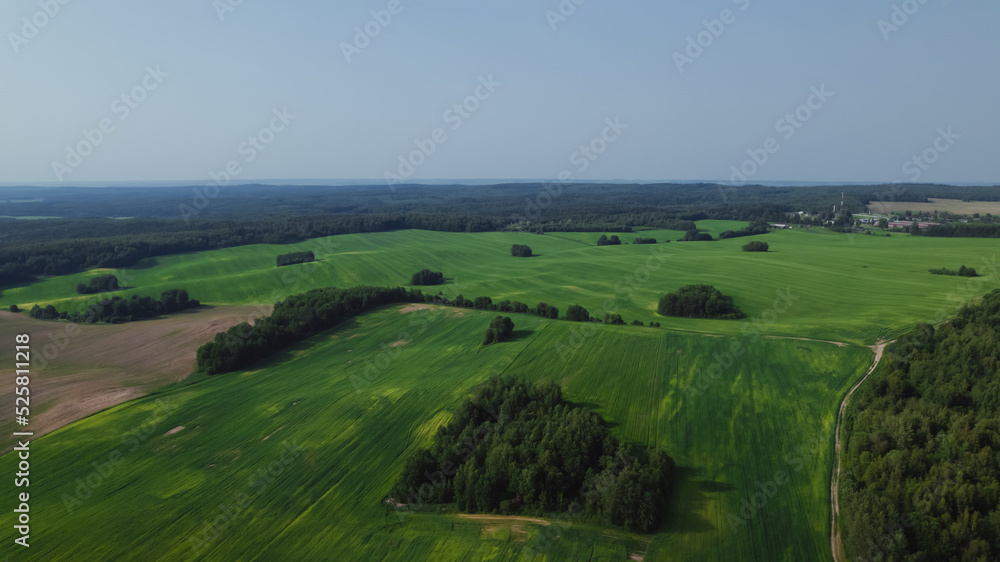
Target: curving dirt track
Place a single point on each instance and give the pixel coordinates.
(835, 543)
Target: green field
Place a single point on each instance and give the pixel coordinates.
(772, 409)
(851, 288)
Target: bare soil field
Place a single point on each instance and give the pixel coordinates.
(80, 369)
(955, 206)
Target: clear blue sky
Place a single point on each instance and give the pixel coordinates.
(607, 60)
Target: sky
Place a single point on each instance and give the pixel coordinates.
(404, 90)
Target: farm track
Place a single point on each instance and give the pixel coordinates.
(836, 544)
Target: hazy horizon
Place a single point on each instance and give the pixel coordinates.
(397, 91)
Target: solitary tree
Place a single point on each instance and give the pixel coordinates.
(501, 329)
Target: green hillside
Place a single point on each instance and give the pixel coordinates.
(842, 287)
(335, 417)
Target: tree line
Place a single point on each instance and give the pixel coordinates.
(921, 472)
(118, 310)
(534, 454)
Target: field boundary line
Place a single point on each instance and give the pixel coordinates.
(836, 545)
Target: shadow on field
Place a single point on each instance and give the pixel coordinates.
(520, 335)
(692, 493)
(296, 349)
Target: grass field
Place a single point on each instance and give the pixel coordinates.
(852, 288)
(352, 405)
(955, 206)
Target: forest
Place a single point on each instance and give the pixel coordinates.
(921, 476)
(519, 448)
(699, 301)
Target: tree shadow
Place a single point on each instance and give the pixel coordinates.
(520, 335)
(692, 492)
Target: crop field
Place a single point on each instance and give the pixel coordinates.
(838, 287)
(955, 206)
(80, 369)
(333, 418)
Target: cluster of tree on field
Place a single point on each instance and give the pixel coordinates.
(641, 240)
(520, 251)
(696, 236)
(921, 476)
(756, 246)
(605, 241)
(756, 227)
(427, 277)
(117, 310)
(962, 272)
(699, 301)
(501, 329)
(527, 451)
(295, 257)
(98, 284)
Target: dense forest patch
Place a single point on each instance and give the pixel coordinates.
(605, 241)
(921, 476)
(518, 448)
(699, 301)
(756, 246)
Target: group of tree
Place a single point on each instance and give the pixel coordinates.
(518, 448)
(921, 466)
(117, 310)
(696, 236)
(292, 320)
(501, 329)
(962, 272)
(699, 301)
(962, 230)
(577, 313)
(520, 251)
(295, 257)
(98, 284)
(644, 241)
(427, 277)
(605, 241)
(754, 228)
(546, 311)
(756, 246)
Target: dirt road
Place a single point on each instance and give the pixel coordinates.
(835, 543)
